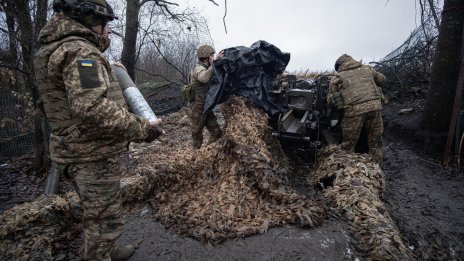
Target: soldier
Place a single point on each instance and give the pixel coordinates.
(356, 89)
(90, 121)
(200, 78)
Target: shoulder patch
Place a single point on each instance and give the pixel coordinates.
(88, 73)
(86, 63)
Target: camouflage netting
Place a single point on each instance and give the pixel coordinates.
(355, 184)
(232, 188)
(40, 229)
(235, 187)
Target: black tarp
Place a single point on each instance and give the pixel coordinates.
(248, 72)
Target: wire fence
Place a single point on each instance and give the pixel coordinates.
(410, 64)
(16, 124)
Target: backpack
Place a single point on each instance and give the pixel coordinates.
(187, 92)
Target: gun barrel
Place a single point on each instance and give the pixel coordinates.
(134, 98)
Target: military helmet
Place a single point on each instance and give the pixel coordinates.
(98, 7)
(341, 60)
(205, 51)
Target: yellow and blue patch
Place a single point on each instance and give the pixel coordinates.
(86, 63)
(88, 74)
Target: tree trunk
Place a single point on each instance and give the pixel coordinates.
(130, 38)
(10, 21)
(41, 151)
(23, 31)
(445, 68)
(28, 47)
(40, 18)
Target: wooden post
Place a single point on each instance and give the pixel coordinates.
(456, 108)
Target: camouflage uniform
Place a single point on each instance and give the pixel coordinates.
(90, 123)
(200, 78)
(362, 101)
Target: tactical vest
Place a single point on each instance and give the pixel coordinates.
(358, 86)
(54, 95)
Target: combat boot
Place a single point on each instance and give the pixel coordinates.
(214, 136)
(120, 253)
(197, 143)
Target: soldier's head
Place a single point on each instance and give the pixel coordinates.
(341, 60)
(90, 13)
(204, 52)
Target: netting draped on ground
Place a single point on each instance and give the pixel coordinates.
(232, 188)
(355, 184)
(40, 230)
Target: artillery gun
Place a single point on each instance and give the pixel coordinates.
(307, 117)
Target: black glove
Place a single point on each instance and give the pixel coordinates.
(154, 133)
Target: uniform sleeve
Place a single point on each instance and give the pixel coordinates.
(379, 78)
(333, 88)
(202, 74)
(86, 80)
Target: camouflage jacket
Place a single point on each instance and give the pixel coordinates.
(82, 99)
(200, 79)
(359, 86)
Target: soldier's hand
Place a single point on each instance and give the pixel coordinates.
(120, 65)
(219, 55)
(155, 130)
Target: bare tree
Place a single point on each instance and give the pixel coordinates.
(24, 19)
(161, 8)
(445, 68)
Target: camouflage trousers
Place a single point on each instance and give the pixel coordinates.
(371, 124)
(199, 121)
(98, 186)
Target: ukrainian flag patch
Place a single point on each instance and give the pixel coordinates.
(88, 74)
(86, 63)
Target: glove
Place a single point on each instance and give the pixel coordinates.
(153, 133)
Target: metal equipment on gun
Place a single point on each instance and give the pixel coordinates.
(307, 116)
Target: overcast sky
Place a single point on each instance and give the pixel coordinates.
(314, 32)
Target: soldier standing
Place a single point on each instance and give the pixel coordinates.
(200, 79)
(356, 89)
(90, 123)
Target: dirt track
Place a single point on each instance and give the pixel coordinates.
(425, 199)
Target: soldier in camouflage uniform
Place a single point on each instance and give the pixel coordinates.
(90, 121)
(356, 89)
(200, 78)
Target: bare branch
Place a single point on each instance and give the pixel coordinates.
(434, 13)
(12, 34)
(163, 4)
(156, 2)
(423, 18)
(212, 1)
(225, 13)
(167, 61)
(156, 75)
(117, 34)
(16, 68)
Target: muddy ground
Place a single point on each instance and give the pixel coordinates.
(425, 199)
